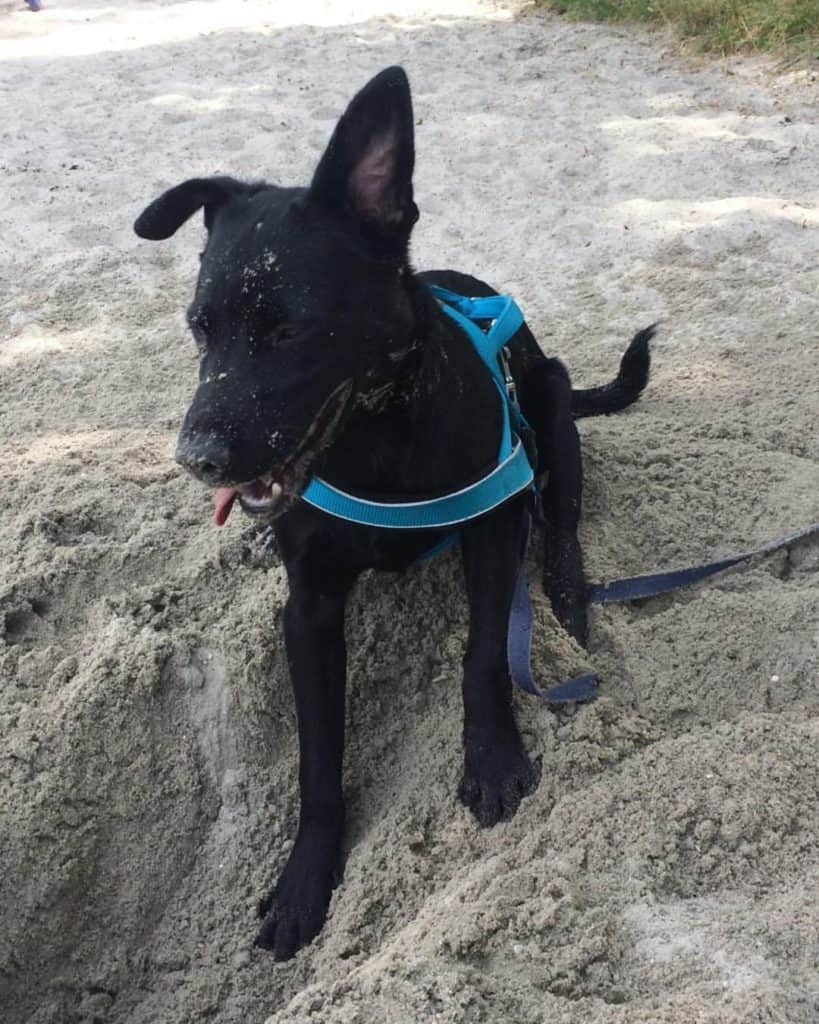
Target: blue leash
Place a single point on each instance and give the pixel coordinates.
(519, 643)
(635, 587)
(584, 687)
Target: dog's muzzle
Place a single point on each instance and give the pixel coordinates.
(271, 493)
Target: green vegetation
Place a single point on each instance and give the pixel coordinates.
(724, 26)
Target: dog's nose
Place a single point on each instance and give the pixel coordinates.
(206, 457)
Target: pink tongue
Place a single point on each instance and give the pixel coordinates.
(225, 496)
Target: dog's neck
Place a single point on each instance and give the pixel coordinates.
(435, 428)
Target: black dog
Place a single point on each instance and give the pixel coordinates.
(322, 352)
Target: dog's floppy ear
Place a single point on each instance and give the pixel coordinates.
(167, 213)
(367, 167)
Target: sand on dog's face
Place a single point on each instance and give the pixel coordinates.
(666, 870)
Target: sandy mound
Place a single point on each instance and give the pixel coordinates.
(666, 870)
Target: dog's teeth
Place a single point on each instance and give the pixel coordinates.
(276, 491)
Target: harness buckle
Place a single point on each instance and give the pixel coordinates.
(508, 379)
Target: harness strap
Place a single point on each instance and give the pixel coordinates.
(505, 318)
(512, 476)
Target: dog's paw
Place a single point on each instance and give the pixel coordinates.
(288, 925)
(495, 781)
(294, 913)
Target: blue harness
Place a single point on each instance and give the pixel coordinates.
(513, 472)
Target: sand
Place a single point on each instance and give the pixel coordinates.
(666, 871)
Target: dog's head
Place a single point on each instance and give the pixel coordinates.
(300, 312)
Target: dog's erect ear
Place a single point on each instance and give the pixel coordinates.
(367, 168)
(167, 213)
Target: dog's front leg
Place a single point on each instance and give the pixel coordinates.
(314, 635)
(497, 771)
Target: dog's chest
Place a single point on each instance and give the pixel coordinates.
(306, 533)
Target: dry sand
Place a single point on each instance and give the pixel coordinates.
(667, 869)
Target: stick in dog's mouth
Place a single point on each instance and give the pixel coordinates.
(271, 494)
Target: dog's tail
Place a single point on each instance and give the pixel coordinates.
(626, 386)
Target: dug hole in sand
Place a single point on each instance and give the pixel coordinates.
(666, 870)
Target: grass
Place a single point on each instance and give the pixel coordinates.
(722, 26)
